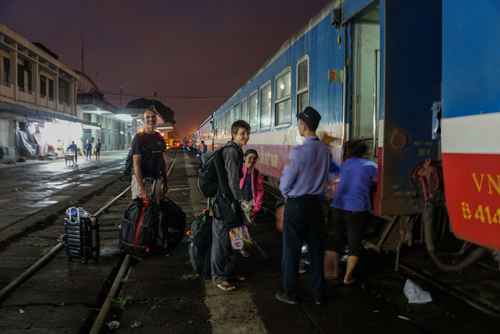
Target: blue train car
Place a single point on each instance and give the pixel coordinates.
(375, 70)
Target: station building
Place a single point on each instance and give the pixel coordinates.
(44, 105)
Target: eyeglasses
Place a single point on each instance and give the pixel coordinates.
(152, 117)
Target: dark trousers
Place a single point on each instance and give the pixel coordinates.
(221, 259)
(352, 223)
(97, 153)
(302, 222)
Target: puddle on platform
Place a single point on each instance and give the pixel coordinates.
(42, 204)
(110, 250)
(57, 185)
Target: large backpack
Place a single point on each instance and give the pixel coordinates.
(207, 182)
(129, 163)
(172, 224)
(200, 244)
(139, 227)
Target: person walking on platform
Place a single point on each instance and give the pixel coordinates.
(87, 149)
(203, 147)
(302, 181)
(73, 149)
(221, 260)
(149, 161)
(97, 149)
(350, 209)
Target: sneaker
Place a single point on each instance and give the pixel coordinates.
(281, 296)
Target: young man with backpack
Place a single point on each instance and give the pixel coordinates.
(221, 263)
(149, 161)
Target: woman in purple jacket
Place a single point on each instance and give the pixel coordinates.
(252, 188)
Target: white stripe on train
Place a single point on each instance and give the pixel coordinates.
(478, 134)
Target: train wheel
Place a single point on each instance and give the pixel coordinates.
(437, 231)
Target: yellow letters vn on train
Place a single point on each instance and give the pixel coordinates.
(491, 182)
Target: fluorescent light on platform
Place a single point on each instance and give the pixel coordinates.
(124, 117)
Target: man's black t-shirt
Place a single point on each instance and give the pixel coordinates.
(151, 148)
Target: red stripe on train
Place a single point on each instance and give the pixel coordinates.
(472, 186)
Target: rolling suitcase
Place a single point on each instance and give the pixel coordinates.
(81, 235)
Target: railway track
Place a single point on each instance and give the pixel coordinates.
(476, 285)
(34, 281)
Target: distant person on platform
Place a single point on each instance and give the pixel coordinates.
(87, 149)
(203, 147)
(303, 179)
(73, 149)
(97, 149)
(149, 163)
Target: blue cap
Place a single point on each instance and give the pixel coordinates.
(310, 117)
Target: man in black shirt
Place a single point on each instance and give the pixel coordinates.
(149, 162)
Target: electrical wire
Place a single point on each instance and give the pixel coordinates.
(179, 97)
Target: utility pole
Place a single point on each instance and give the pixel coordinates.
(121, 91)
(83, 48)
(153, 105)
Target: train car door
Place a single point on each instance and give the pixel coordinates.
(366, 78)
(410, 84)
(395, 77)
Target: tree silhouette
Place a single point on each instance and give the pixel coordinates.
(165, 112)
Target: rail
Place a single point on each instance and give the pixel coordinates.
(96, 327)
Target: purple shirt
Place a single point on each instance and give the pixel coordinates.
(307, 169)
(353, 192)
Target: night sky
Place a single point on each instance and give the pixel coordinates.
(196, 48)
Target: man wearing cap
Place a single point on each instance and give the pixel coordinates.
(302, 181)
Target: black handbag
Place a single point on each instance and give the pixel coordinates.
(226, 208)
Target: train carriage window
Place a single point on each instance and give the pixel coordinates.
(265, 106)
(237, 112)
(231, 118)
(302, 83)
(283, 100)
(253, 111)
(244, 110)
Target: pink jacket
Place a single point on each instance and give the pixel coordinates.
(257, 188)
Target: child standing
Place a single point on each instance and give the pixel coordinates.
(252, 188)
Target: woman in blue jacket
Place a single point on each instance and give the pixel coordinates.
(350, 210)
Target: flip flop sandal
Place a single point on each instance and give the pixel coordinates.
(244, 253)
(237, 278)
(225, 286)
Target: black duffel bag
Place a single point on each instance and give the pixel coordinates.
(200, 244)
(172, 223)
(139, 227)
